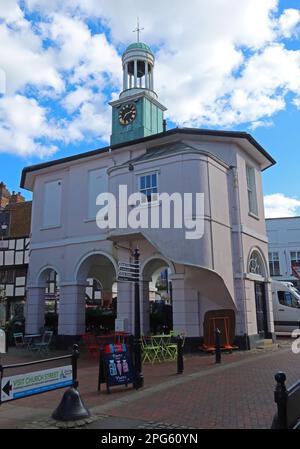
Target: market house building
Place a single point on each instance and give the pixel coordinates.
(226, 270)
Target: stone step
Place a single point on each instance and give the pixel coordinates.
(267, 343)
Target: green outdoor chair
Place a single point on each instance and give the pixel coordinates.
(150, 350)
(43, 346)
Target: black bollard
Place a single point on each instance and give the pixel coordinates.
(180, 366)
(218, 345)
(71, 407)
(280, 396)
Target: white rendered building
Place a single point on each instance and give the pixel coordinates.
(225, 269)
(284, 248)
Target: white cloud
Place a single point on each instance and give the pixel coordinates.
(289, 21)
(279, 205)
(10, 11)
(21, 121)
(261, 124)
(218, 63)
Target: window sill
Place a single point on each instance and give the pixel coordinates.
(251, 214)
(46, 228)
(146, 205)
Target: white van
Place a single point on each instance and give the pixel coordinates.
(286, 307)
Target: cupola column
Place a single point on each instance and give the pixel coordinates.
(125, 81)
(146, 76)
(135, 73)
(151, 80)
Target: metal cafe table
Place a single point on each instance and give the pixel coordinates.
(31, 338)
(167, 349)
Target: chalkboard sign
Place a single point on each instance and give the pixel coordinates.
(115, 366)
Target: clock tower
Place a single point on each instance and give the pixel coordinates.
(137, 113)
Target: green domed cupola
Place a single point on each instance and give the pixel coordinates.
(139, 45)
(137, 113)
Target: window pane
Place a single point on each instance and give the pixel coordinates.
(288, 299)
(281, 298)
(142, 182)
(251, 190)
(148, 181)
(52, 203)
(154, 180)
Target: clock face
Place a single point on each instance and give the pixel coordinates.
(127, 114)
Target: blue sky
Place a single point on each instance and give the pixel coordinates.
(219, 64)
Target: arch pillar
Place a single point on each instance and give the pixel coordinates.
(71, 319)
(145, 306)
(125, 305)
(186, 312)
(34, 309)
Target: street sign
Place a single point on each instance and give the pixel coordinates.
(22, 385)
(128, 272)
(115, 366)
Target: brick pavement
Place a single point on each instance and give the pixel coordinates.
(236, 394)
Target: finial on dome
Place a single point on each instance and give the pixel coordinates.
(138, 30)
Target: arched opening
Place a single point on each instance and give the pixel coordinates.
(49, 279)
(157, 316)
(257, 270)
(256, 264)
(98, 273)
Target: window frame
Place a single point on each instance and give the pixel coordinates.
(143, 190)
(45, 225)
(251, 190)
(272, 262)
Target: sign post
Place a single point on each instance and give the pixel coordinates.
(130, 272)
(139, 378)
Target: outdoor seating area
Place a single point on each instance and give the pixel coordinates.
(160, 348)
(37, 344)
(95, 343)
(155, 348)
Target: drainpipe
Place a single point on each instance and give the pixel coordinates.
(240, 242)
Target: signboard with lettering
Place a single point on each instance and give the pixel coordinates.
(115, 366)
(22, 385)
(128, 272)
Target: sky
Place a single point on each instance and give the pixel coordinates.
(220, 64)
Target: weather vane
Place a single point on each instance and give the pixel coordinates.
(138, 30)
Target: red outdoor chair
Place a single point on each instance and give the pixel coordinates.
(91, 345)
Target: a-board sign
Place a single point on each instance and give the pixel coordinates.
(2, 341)
(115, 366)
(128, 271)
(22, 385)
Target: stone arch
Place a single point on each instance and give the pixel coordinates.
(153, 263)
(41, 278)
(150, 272)
(82, 266)
(256, 263)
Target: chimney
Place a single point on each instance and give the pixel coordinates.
(16, 198)
(4, 195)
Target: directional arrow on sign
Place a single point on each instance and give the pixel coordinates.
(7, 387)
